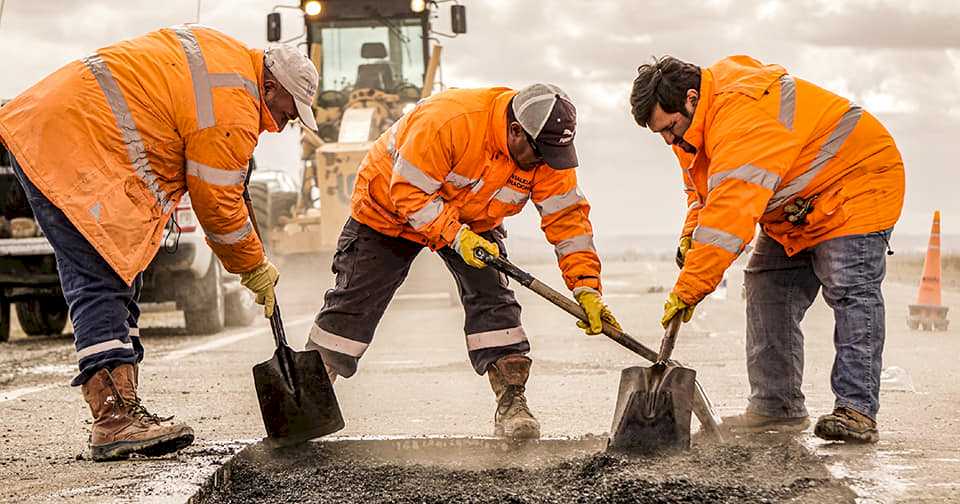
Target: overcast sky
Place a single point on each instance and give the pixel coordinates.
(898, 59)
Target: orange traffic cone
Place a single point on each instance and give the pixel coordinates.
(928, 313)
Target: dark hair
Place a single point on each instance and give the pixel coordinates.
(665, 81)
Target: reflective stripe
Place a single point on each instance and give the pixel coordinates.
(829, 149)
(335, 343)
(235, 80)
(477, 187)
(95, 210)
(554, 204)
(713, 236)
(135, 331)
(694, 205)
(415, 176)
(493, 339)
(747, 173)
(580, 243)
(216, 176)
(103, 346)
(427, 214)
(788, 101)
(199, 76)
(136, 151)
(511, 196)
(232, 237)
(459, 181)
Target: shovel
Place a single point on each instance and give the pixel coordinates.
(297, 401)
(655, 403)
(700, 404)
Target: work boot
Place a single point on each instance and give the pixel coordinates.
(846, 424)
(508, 378)
(754, 422)
(121, 425)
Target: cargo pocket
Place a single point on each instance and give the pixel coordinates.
(129, 217)
(345, 259)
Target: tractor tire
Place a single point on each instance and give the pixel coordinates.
(42, 316)
(210, 317)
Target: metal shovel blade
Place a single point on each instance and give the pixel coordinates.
(653, 409)
(297, 401)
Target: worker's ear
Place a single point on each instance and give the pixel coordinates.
(516, 131)
(693, 97)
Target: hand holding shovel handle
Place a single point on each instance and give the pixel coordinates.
(702, 406)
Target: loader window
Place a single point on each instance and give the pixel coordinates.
(342, 57)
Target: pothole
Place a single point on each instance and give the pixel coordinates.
(485, 470)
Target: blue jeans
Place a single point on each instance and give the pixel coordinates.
(779, 290)
(103, 308)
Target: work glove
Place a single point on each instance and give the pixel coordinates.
(466, 240)
(685, 243)
(261, 281)
(676, 307)
(597, 311)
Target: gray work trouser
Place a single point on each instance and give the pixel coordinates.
(779, 290)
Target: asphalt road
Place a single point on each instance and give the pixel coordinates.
(415, 381)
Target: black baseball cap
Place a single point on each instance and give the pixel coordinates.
(547, 114)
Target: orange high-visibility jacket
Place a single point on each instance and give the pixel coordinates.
(763, 139)
(446, 162)
(116, 138)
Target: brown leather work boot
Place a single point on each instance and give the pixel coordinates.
(508, 378)
(121, 425)
(750, 422)
(849, 425)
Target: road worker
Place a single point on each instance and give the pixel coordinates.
(444, 177)
(105, 147)
(825, 181)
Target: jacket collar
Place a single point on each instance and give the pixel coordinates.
(266, 120)
(497, 132)
(695, 133)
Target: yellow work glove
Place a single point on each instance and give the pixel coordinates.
(466, 240)
(676, 307)
(597, 311)
(685, 243)
(261, 281)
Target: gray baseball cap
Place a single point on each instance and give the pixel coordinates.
(298, 76)
(547, 114)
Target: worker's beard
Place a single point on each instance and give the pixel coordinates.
(686, 146)
(267, 122)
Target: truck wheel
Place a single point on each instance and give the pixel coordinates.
(42, 316)
(4, 320)
(204, 310)
(241, 309)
